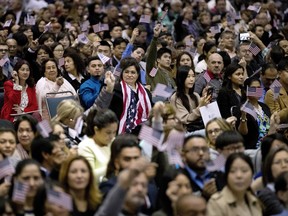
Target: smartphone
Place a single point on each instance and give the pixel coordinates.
(244, 36)
(210, 91)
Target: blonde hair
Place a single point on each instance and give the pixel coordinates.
(67, 109)
(92, 193)
(223, 124)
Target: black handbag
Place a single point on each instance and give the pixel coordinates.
(198, 124)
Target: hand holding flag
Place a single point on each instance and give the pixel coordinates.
(276, 87)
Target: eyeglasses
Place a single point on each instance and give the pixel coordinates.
(280, 162)
(215, 131)
(197, 149)
(3, 50)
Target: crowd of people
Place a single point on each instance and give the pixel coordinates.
(131, 135)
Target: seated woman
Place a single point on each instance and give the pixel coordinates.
(19, 94)
(254, 130)
(213, 129)
(236, 198)
(276, 163)
(101, 130)
(74, 69)
(51, 83)
(26, 130)
(85, 193)
(68, 112)
(186, 101)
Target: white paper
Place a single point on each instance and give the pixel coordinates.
(209, 112)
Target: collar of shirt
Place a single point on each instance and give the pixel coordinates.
(205, 177)
(73, 77)
(213, 76)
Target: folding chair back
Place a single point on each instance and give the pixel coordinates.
(52, 102)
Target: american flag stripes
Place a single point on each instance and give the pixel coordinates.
(3, 60)
(163, 90)
(217, 164)
(206, 77)
(254, 49)
(60, 199)
(44, 128)
(249, 108)
(103, 58)
(151, 135)
(153, 72)
(275, 87)
(254, 92)
(20, 191)
(6, 168)
(117, 71)
(145, 19)
(230, 19)
(173, 145)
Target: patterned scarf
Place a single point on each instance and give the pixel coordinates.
(143, 106)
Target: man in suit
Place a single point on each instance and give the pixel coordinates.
(280, 104)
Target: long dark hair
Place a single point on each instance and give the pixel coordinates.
(30, 81)
(182, 73)
(228, 73)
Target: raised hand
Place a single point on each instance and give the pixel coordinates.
(109, 81)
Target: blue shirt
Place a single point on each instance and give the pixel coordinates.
(89, 91)
(201, 179)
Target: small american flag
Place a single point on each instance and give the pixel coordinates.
(82, 38)
(153, 72)
(249, 108)
(19, 192)
(117, 71)
(206, 77)
(164, 13)
(47, 27)
(29, 20)
(215, 29)
(163, 90)
(254, 8)
(61, 62)
(60, 199)
(100, 27)
(85, 25)
(254, 49)
(6, 168)
(151, 135)
(174, 144)
(103, 58)
(145, 19)
(44, 128)
(217, 164)
(254, 92)
(68, 25)
(3, 60)
(7, 23)
(230, 20)
(276, 87)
